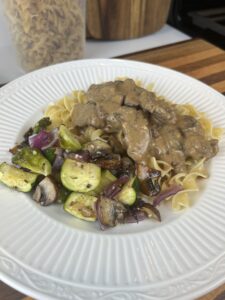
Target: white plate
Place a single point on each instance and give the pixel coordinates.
(48, 254)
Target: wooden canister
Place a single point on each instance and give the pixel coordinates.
(125, 19)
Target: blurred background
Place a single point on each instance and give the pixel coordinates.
(38, 33)
(34, 34)
(197, 18)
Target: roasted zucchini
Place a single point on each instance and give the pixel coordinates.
(106, 178)
(81, 206)
(16, 178)
(128, 194)
(33, 160)
(79, 176)
(68, 140)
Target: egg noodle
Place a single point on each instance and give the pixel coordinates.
(61, 111)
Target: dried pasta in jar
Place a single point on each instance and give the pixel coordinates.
(46, 32)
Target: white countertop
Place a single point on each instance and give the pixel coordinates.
(167, 35)
(10, 69)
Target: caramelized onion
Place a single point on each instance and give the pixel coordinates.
(115, 187)
(108, 164)
(167, 193)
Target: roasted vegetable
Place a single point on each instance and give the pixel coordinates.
(97, 145)
(68, 140)
(26, 135)
(81, 155)
(136, 185)
(101, 154)
(79, 176)
(33, 160)
(106, 179)
(127, 166)
(134, 215)
(63, 194)
(109, 212)
(46, 192)
(173, 190)
(81, 206)
(148, 178)
(150, 210)
(141, 211)
(42, 124)
(115, 187)
(57, 164)
(108, 164)
(50, 154)
(128, 194)
(44, 139)
(106, 160)
(16, 178)
(91, 133)
(16, 148)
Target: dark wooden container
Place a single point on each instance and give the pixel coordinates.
(125, 19)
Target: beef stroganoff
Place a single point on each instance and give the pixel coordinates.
(114, 153)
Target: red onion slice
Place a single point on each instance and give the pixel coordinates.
(44, 139)
(57, 164)
(167, 193)
(115, 187)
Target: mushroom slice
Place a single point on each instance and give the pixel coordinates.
(46, 192)
(109, 212)
(148, 179)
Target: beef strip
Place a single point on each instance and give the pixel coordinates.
(112, 90)
(161, 111)
(188, 124)
(195, 144)
(197, 147)
(104, 101)
(176, 143)
(167, 144)
(135, 127)
(111, 95)
(86, 115)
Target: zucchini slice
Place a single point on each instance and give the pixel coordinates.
(68, 140)
(106, 178)
(33, 160)
(128, 194)
(16, 178)
(79, 176)
(81, 206)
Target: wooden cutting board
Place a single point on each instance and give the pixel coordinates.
(125, 19)
(196, 58)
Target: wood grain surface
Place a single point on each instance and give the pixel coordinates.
(197, 58)
(116, 19)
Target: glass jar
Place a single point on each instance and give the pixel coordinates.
(46, 32)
